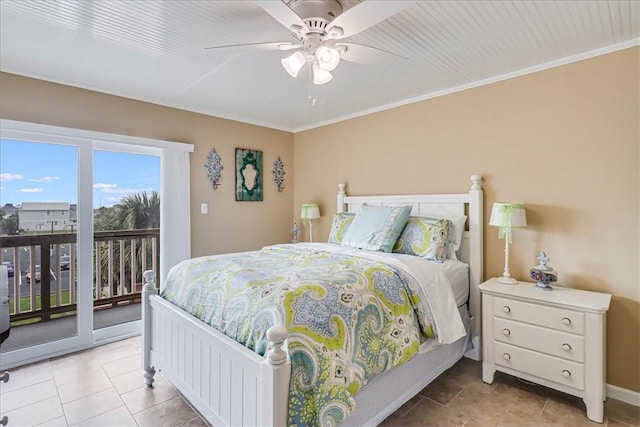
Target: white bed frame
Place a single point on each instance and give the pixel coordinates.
(233, 386)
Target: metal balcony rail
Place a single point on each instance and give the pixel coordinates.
(46, 265)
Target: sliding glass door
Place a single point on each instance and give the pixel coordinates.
(39, 224)
(45, 240)
(82, 216)
(126, 223)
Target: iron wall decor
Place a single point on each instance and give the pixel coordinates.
(213, 167)
(248, 175)
(278, 173)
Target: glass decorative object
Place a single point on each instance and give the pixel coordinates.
(294, 233)
(543, 274)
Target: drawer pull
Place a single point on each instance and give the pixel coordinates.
(566, 347)
(507, 356)
(506, 309)
(566, 374)
(566, 321)
(506, 332)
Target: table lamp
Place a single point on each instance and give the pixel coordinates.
(310, 211)
(507, 216)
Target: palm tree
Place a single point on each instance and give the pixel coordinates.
(134, 212)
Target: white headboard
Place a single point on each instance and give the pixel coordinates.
(443, 206)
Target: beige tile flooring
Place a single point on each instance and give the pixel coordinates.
(98, 387)
(103, 387)
(460, 398)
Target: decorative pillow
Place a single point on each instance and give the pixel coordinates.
(424, 237)
(376, 228)
(455, 236)
(339, 226)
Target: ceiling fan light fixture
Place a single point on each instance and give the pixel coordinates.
(320, 76)
(293, 63)
(328, 58)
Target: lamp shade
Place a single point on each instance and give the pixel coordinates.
(508, 215)
(328, 58)
(310, 211)
(320, 76)
(294, 63)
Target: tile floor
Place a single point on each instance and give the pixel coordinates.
(98, 387)
(103, 387)
(459, 398)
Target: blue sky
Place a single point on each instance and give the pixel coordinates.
(35, 172)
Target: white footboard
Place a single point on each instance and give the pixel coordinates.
(228, 383)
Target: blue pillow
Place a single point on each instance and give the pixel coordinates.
(376, 228)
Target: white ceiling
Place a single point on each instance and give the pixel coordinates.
(154, 51)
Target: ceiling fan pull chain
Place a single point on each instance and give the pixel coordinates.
(312, 101)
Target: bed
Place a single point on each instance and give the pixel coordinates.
(231, 384)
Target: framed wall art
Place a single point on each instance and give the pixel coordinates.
(248, 175)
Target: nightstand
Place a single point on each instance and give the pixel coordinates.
(554, 338)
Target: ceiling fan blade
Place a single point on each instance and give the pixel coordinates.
(365, 54)
(258, 46)
(283, 14)
(365, 15)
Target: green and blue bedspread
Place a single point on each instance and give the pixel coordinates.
(350, 315)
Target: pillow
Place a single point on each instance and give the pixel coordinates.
(455, 236)
(376, 228)
(424, 237)
(339, 226)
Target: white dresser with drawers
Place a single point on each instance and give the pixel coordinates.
(554, 338)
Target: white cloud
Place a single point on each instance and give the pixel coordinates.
(113, 189)
(121, 190)
(30, 190)
(102, 185)
(11, 176)
(45, 179)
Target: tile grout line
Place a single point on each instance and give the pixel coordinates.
(64, 414)
(96, 392)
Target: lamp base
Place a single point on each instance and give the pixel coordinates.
(507, 280)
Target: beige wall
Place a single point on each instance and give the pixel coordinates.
(563, 141)
(230, 225)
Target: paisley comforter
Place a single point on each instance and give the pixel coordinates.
(350, 314)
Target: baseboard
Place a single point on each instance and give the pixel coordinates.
(622, 394)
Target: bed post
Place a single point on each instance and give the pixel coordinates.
(476, 263)
(341, 194)
(148, 289)
(277, 369)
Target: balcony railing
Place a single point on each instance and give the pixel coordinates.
(45, 265)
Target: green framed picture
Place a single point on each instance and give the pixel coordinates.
(248, 175)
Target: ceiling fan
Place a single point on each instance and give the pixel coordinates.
(321, 28)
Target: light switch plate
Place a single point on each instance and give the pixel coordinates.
(204, 208)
